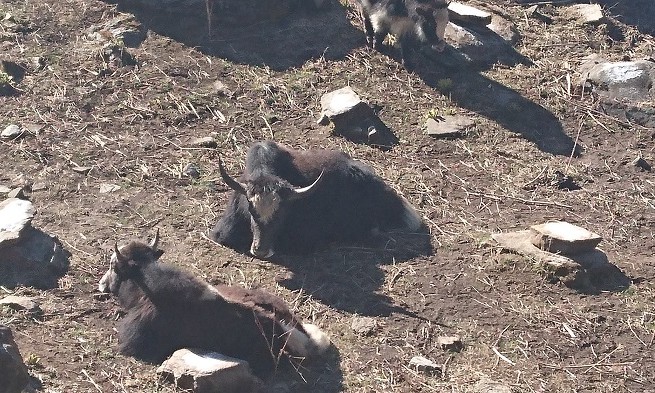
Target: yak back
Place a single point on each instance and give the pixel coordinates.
(170, 309)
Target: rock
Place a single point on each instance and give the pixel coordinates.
(28, 256)
(4, 189)
(420, 363)
(33, 128)
(206, 372)
(364, 326)
(108, 187)
(450, 343)
(639, 162)
(206, 141)
(82, 169)
(39, 187)
(585, 13)
(20, 303)
(467, 14)
(623, 80)
(14, 376)
(12, 131)
(448, 126)
(192, 170)
(488, 386)
(563, 238)
(354, 119)
(15, 215)
(18, 192)
(504, 29)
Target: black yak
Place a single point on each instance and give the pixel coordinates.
(412, 22)
(295, 201)
(168, 309)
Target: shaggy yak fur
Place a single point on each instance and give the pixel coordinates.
(169, 309)
(413, 22)
(295, 201)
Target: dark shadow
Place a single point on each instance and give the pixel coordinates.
(322, 374)
(36, 259)
(277, 42)
(349, 278)
(473, 91)
(598, 274)
(637, 13)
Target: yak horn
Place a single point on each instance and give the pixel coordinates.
(119, 257)
(305, 191)
(233, 184)
(155, 241)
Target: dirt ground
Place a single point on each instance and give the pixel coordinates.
(128, 116)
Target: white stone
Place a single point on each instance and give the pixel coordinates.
(206, 371)
(364, 326)
(15, 215)
(340, 101)
(459, 12)
(420, 363)
(11, 131)
(585, 13)
(448, 126)
(108, 187)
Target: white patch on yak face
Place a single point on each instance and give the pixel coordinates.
(265, 205)
(110, 277)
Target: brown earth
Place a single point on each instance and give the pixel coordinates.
(130, 117)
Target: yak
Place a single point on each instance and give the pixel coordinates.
(168, 309)
(295, 201)
(412, 22)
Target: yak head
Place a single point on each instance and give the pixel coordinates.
(268, 199)
(127, 261)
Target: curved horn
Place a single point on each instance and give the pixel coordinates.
(155, 241)
(233, 184)
(119, 257)
(305, 191)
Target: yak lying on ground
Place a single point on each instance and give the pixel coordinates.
(292, 201)
(414, 23)
(169, 309)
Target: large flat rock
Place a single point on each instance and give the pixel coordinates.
(207, 372)
(563, 238)
(15, 215)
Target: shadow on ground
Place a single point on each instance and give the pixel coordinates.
(451, 76)
(637, 13)
(349, 277)
(277, 42)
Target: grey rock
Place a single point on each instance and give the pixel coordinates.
(28, 256)
(563, 238)
(450, 343)
(624, 80)
(20, 303)
(4, 189)
(106, 188)
(206, 372)
(14, 376)
(354, 119)
(18, 192)
(449, 126)
(205, 141)
(420, 363)
(39, 187)
(12, 131)
(585, 13)
(192, 170)
(82, 169)
(364, 326)
(639, 162)
(15, 215)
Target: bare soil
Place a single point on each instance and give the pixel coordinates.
(130, 114)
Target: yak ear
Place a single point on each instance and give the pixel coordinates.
(122, 263)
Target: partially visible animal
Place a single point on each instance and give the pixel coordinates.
(413, 23)
(296, 201)
(169, 309)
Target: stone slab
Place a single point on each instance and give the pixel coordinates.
(207, 372)
(563, 238)
(448, 126)
(458, 12)
(15, 215)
